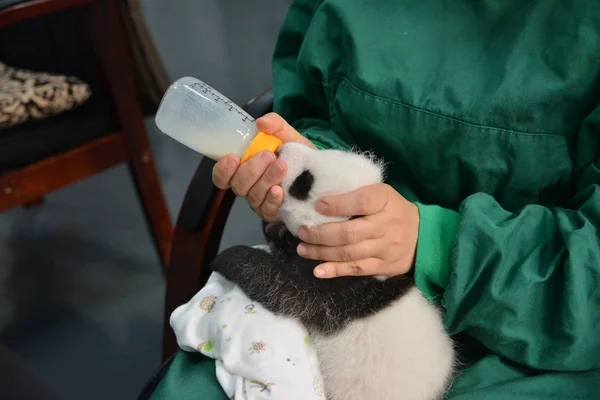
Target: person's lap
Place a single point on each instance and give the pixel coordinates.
(192, 376)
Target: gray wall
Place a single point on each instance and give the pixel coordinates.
(226, 43)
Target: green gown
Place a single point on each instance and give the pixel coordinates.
(488, 114)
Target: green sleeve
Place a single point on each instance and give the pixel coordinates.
(525, 284)
(298, 97)
(437, 231)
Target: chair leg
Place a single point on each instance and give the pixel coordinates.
(111, 46)
(149, 192)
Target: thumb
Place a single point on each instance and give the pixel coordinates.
(367, 200)
(274, 124)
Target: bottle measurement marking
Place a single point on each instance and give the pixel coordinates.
(219, 98)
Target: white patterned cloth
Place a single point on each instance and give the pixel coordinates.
(258, 355)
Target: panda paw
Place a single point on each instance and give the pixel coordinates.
(275, 232)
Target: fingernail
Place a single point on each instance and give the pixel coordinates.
(322, 207)
(320, 272)
(301, 250)
(303, 233)
(267, 156)
(280, 166)
(232, 162)
(273, 192)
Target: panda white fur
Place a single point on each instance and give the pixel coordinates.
(375, 338)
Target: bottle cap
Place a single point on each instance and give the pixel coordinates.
(261, 142)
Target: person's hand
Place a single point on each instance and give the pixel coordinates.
(382, 241)
(258, 179)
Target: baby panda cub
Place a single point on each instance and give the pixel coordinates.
(375, 337)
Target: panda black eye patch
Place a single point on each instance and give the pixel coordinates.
(302, 185)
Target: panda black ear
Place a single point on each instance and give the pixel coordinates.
(302, 185)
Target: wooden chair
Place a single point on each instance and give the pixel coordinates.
(198, 232)
(98, 136)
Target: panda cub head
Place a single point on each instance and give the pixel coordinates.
(313, 174)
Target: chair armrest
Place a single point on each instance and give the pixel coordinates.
(261, 104)
(199, 230)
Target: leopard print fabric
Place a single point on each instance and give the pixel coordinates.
(27, 95)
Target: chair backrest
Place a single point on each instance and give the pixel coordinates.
(68, 50)
(199, 230)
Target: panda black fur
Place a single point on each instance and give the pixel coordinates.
(376, 338)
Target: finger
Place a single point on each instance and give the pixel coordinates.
(224, 170)
(367, 200)
(341, 233)
(273, 176)
(250, 172)
(274, 124)
(269, 210)
(365, 267)
(351, 252)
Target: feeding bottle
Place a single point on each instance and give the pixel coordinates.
(201, 118)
